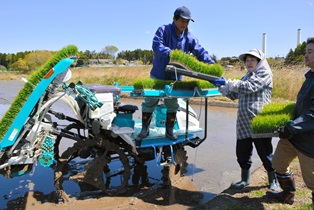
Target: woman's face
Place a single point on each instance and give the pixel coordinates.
(251, 62)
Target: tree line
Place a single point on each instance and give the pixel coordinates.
(145, 57)
(296, 56)
(29, 61)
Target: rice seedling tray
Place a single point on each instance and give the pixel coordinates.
(264, 135)
(148, 87)
(271, 118)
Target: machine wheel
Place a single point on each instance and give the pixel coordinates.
(172, 173)
(96, 172)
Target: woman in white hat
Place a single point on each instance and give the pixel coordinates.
(253, 91)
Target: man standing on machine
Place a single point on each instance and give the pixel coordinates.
(169, 37)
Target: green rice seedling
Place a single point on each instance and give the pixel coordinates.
(33, 79)
(191, 63)
(278, 108)
(178, 85)
(269, 123)
(144, 83)
(272, 116)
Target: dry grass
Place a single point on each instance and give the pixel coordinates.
(122, 75)
(287, 80)
(12, 76)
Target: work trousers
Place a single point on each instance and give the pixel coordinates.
(149, 104)
(285, 153)
(244, 152)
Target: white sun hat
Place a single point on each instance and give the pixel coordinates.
(254, 52)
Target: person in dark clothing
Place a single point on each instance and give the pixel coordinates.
(297, 138)
(167, 38)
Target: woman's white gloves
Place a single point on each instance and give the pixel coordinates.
(223, 89)
(230, 86)
(233, 85)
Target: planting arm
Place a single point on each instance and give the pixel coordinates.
(182, 71)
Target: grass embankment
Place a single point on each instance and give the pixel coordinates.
(287, 81)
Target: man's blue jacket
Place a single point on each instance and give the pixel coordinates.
(164, 41)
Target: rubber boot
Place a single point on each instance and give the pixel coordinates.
(273, 181)
(171, 119)
(146, 118)
(288, 185)
(313, 199)
(245, 179)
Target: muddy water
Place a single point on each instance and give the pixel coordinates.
(212, 166)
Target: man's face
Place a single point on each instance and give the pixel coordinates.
(309, 56)
(181, 25)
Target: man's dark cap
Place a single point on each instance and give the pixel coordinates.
(183, 12)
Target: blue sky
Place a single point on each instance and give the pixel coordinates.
(224, 28)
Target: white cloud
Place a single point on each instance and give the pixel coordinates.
(310, 3)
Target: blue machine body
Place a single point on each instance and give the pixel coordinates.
(18, 123)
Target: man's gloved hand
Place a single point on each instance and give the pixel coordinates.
(284, 132)
(219, 82)
(223, 90)
(232, 85)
